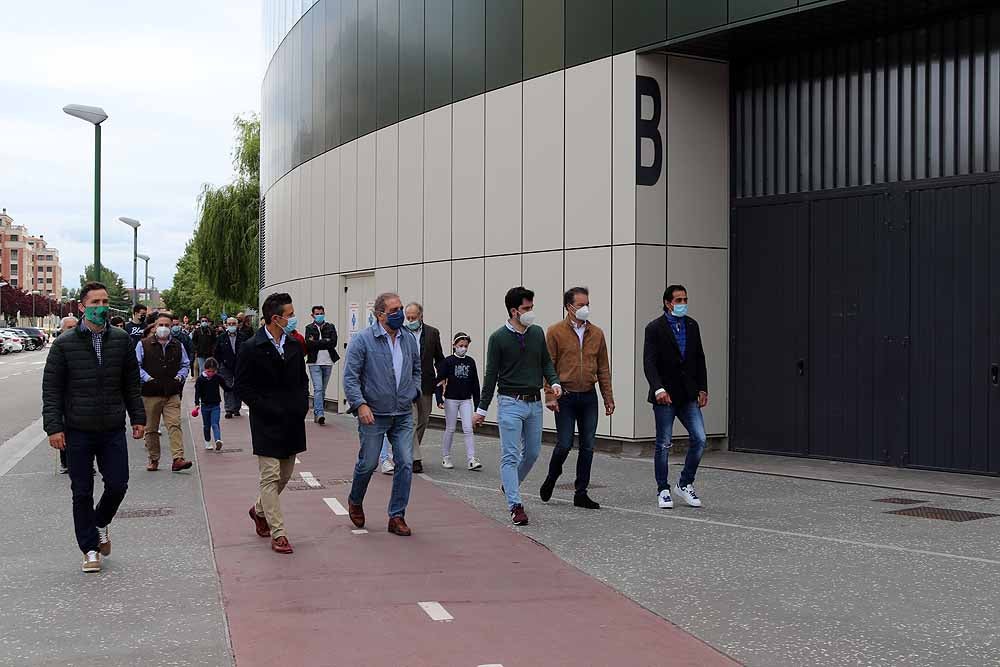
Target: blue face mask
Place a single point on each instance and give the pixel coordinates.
(320, 318)
(175, 330)
(680, 309)
(395, 320)
(293, 322)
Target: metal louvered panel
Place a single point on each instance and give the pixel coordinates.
(261, 246)
(921, 103)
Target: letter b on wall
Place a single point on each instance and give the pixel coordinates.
(647, 90)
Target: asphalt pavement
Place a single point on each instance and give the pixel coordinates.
(20, 390)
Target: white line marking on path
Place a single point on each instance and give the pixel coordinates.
(335, 505)
(15, 449)
(436, 611)
(423, 475)
(309, 479)
(297, 460)
(492, 664)
(667, 514)
(359, 531)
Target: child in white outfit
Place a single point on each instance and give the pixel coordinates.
(457, 393)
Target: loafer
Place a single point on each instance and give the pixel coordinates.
(357, 514)
(180, 464)
(153, 466)
(260, 523)
(281, 545)
(418, 467)
(584, 501)
(548, 486)
(397, 526)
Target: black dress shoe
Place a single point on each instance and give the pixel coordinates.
(229, 415)
(546, 491)
(418, 467)
(584, 501)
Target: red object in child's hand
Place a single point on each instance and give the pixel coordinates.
(194, 413)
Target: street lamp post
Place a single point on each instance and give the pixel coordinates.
(145, 284)
(95, 116)
(34, 293)
(134, 224)
(152, 288)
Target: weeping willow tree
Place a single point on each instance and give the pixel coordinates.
(226, 239)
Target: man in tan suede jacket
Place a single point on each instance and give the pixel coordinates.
(580, 354)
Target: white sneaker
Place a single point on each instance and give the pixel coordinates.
(209, 445)
(91, 562)
(664, 501)
(446, 463)
(388, 467)
(474, 464)
(688, 495)
(104, 537)
(218, 445)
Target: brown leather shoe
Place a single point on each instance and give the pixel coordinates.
(281, 545)
(180, 464)
(398, 526)
(260, 523)
(153, 465)
(357, 514)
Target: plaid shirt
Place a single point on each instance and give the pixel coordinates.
(98, 339)
(679, 326)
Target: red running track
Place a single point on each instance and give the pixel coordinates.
(349, 599)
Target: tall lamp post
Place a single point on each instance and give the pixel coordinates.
(95, 116)
(34, 293)
(145, 284)
(152, 288)
(134, 224)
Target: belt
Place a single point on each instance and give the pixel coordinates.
(527, 398)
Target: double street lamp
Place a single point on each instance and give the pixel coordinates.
(134, 224)
(94, 116)
(145, 285)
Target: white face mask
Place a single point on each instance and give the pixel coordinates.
(162, 332)
(582, 313)
(460, 351)
(527, 319)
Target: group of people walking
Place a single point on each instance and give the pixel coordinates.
(394, 372)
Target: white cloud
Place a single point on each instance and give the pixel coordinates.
(171, 77)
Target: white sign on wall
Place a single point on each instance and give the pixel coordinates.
(353, 320)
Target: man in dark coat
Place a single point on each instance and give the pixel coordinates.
(431, 356)
(91, 381)
(271, 379)
(227, 349)
(204, 339)
(674, 364)
(321, 345)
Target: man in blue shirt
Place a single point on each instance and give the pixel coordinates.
(674, 364)
(381, 382)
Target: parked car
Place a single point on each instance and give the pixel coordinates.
(35, 339)
(6, 346)
(9, 335)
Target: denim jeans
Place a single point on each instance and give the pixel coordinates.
(690, 415)
(210, 420)
(399, 430)
(385, 453)
(320, 376)
(520, 425)
(109, 448)
(576, 411)
(230, 397)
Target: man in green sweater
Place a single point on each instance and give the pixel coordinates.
(518, 360)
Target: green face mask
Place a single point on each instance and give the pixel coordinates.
(97, 315)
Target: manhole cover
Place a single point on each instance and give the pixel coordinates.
(302, 486)
(229, 451)
(900, 501)
(570, 486)
(943, 513)
(144, 513)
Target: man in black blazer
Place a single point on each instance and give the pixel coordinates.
(431, 354)
(321, 342)
(674, 363)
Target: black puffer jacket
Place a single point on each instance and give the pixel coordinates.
(79, 393)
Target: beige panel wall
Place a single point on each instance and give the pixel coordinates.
(437, 184)
(437, 294)
(331, 289)
(317, 243)
(651, 200)
(503, 170)
(411, 191)
(467, 308)
(622, 323)
(502, 273)
(386, 195)
(349, 206)
(543, 273)
(544, 162)
(468, 182)
(623, 148)
(331, 212)
(366, 202)
(411, 282)
(588, 154)
(386, 281)
(651, 270)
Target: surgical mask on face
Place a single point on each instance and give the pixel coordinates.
(680, 309)
(319, 319)
(231, 329)
(527, 319)
(461, 351)
(413, 325)
(176, 329)
(293, 322)
(162, 332)
(395, 320)
(582, 313)
(97, 315)
(204, 325)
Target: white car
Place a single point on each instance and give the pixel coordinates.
(11, 340)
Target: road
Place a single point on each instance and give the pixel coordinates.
(20, 390)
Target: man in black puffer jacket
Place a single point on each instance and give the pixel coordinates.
(91, 381)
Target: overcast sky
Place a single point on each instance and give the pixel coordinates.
(170, 75)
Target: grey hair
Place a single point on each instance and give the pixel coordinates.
(419, 307)
(228, 319)
(381, 299)
(63, 321)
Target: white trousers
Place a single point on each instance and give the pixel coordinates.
(452, 410)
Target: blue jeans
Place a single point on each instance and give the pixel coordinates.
(399, 430)
(576, 412)
(320, 378)
(384, 454)
(690, 415)
(210, 420)
(109, 448)
(520, 425)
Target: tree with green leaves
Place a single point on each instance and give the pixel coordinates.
(225, 243)
(117, 292)
(189, 295)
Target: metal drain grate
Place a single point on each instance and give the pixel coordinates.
(943, 513)
(144, 513)
(298, 485)
(899, 501)
(234, 450)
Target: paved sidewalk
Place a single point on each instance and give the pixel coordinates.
(345, 598)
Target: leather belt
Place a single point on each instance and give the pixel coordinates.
(527, 398)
